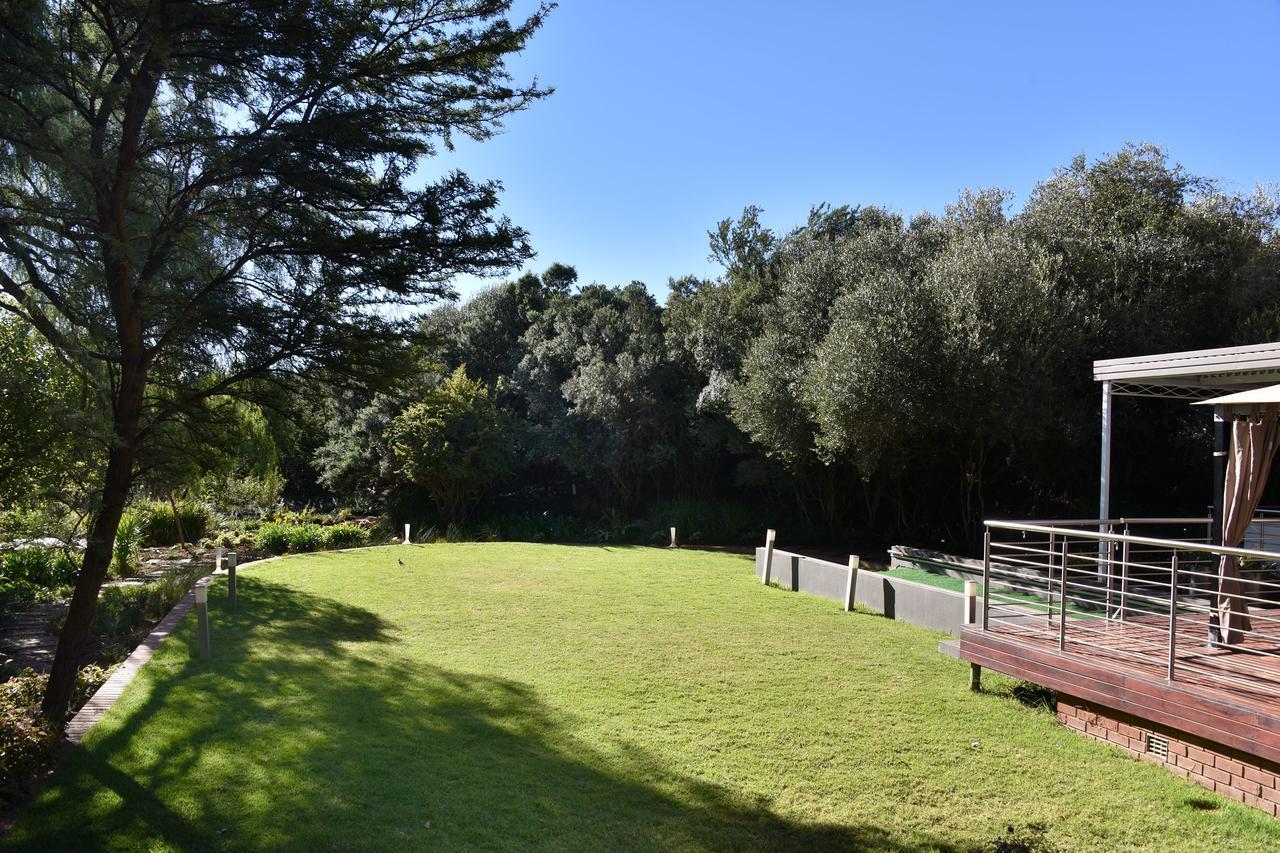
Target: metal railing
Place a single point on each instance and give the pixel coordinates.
(1108, 588)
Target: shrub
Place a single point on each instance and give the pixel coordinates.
(159, 528)
(27, 739)
(273, 537)
(305, 537)
(345, 535)
(29, 575)
(129, 538)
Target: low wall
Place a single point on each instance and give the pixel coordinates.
(910, 601)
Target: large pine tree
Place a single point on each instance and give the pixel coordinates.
(197, 195)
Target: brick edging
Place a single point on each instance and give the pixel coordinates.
(106, 695)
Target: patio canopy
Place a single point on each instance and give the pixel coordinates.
(1247, 399)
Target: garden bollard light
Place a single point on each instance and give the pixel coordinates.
(970, 602)
(217, 559)
(673, 539)
(769, 536)
(232, 560)
(202, 620)
(851, 585)
(406, 534)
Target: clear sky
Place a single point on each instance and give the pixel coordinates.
(670, 116)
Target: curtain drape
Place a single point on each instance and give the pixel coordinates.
(1254, 439)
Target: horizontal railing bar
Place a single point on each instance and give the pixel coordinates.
(1171, 544)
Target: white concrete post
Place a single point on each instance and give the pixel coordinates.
(970, 602)
(851, 585)
(673, 538)
(232, 561)
(202, 620)
(406, 534)
(769, 536)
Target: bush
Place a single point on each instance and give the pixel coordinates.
(305, 537)
(273, 537)
(159, 528)
(345, 535)
(27, 739)
(129, 538)
(29, 575)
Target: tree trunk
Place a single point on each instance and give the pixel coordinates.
(97, 554)
(177, 522)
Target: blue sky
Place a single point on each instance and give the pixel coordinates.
(670, 116)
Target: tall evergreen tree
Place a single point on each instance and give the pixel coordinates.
(194, 195)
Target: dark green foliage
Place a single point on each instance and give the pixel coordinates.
(28, 740)
(28, 575)
(345, 535)
(159, 527)
(455, 443)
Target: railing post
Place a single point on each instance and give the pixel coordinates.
(986, 579)
(1053, 544)
(1173, 612)
(1062, 598)
(1124, 575)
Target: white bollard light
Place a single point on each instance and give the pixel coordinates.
(970, 602)
(217, 559)
(673, 538)
(406, 534)
(202, 620)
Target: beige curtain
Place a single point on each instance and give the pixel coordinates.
(1254, 439)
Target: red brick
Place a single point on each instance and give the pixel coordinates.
(1231, 792)
(1177, 747)
(1261, 804)
(1200, 755)
(1262, 777)
(1271, 795)
(1251, 788)
(1218, 775)
(1235, 768)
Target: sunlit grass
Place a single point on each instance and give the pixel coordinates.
(503, 696)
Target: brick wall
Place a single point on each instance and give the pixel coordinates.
(1221, 769)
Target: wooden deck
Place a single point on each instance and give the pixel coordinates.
(1230, 697)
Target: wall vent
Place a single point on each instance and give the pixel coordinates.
(1158, 746)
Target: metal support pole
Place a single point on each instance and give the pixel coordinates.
(1221, 442)
(1104, 474)
(202, 620)
(1173, 612)
(975, 677)
(1053, 542)
(986, 580)
(232, 560)
(1062, 598)
(769, 536)
(851, 585)
(1124, 576)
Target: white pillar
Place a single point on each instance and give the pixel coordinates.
(217, 559)
(406, 534)
(1104, 474)
(851, 585)
(673, 538)
(769, 536)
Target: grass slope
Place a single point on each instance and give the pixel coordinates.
(504, 696)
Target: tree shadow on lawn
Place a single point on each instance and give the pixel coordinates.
(306, 731)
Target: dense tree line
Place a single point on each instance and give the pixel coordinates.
(861, 375)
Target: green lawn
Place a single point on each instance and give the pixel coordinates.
(501, 696)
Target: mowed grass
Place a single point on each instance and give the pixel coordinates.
(536, 697)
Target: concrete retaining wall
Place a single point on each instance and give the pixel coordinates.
(910, 601)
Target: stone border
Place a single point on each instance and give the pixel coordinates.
(102, 701)
(106, 696)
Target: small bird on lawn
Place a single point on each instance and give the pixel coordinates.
(401, 562)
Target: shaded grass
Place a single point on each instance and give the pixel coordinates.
(504, 696)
